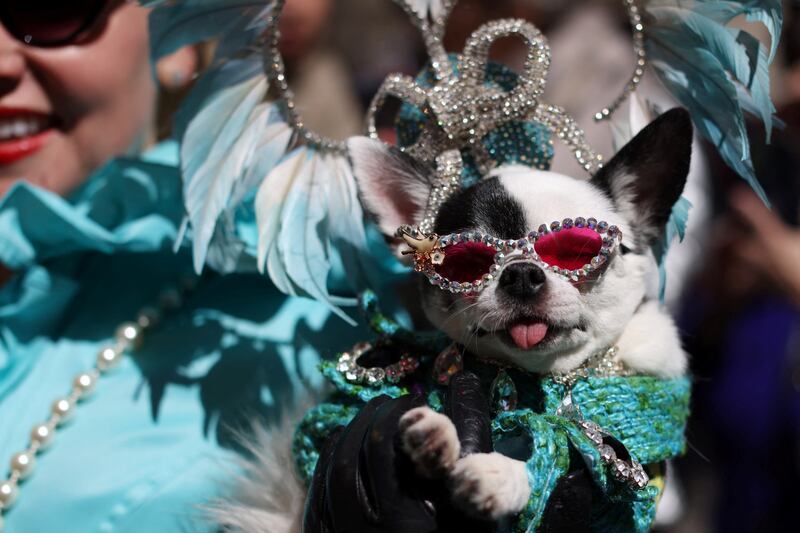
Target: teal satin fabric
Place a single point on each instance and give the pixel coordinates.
(153, 444)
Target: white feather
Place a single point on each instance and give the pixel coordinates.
(305, 207)
(209, 175)
(425, 7)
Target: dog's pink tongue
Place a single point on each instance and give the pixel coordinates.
(528, 335)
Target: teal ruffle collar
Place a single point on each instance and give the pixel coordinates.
(129, 205)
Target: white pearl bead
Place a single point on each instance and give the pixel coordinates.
(42, 434)
(128, 334)
(23, 462)
(63, 409)
(8, 493)
(148, 317)
(84, 383)
(108, 358)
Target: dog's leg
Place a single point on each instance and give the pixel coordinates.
(430, 440)
(490, 485)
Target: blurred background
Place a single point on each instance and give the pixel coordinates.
(733, 285)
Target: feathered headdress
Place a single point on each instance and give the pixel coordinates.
(245, 157)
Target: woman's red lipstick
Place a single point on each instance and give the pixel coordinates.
(22, 133)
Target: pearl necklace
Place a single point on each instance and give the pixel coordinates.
(127, 338)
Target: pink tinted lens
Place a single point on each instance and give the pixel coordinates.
(569, 249)
(466, 262)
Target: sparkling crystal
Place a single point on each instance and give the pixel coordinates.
(613, 231)
(591, 223)
(580, 222)
(532, 236)
(522, 243)
(555, 226)
(638, 475)
(503, 393)
(543, 229)
(393, 374)
(447, 363)
(607, 453)
(598, 261)
(499, 258)
(595, 437)
(408, 364)
(589, 425)
(602, 226)
(354, 373)
(567, 223)
(345, 366)
(621, 469)
(374, 376)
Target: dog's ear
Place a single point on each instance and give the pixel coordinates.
(394, 186)
(647, 176)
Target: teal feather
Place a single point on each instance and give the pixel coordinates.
(177, 24)
(676, 228)
(708, 66)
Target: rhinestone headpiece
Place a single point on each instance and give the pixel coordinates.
(461, 107)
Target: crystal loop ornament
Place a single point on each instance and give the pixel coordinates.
(462, 108)
(349, 365)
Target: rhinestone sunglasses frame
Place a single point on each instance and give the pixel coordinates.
(425, 261)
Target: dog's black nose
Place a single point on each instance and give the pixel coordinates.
(521, 281)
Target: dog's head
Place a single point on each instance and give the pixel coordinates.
(526, 313)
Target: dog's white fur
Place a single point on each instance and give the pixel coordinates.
(606, 313)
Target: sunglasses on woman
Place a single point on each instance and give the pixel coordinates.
(468, 262)
(47, 23)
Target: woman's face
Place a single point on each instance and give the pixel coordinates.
(64, 111)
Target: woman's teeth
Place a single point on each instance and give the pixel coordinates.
(21, 127)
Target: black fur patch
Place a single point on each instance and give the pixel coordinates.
(486, 205)
(658, 158)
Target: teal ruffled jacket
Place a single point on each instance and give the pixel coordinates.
(153, 443)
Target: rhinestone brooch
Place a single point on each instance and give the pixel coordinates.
(375, 376)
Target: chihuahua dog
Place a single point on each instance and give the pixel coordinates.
(528, 315)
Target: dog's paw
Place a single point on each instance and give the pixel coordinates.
(430, 440)
(490, 485)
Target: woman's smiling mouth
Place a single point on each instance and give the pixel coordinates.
(22, 133)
